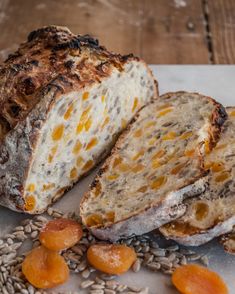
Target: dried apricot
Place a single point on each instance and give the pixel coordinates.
(164, 112)
(111, 258)
(44, 268)
(58, 132)
(30, 203)
(195, 279)
(92, 143)
(60, 234)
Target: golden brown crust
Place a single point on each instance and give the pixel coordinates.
(49, 52)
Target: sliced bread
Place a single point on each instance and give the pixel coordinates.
(213, 212)
(64, 100)
(154, 165)
(228, 242)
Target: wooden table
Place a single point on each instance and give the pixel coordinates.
(160, 31)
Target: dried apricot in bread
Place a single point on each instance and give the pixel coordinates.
(155, 164)
(213, 212)
(195, 279)
(64, 99)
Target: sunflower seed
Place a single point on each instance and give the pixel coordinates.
(111, 284)
(158, 252)
(28, 229)
(183, 260)
(154, 245)
(155, 266)
(99, 281)
(121, 288)
(41, 218)
(77, 250)
(148, 258)
(193, 257)
(87, 284)
(171, 257)
(136, 266)
(4, 290)
(82, 265)
(20, 235)
(97, 286)
(204, 260)
(85, 273)
(134, 289)
(166, 265)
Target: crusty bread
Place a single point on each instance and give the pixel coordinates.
(64, 99)
(212, 213)
(228, 242)
(155, 164)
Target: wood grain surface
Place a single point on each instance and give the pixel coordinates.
(160, 31)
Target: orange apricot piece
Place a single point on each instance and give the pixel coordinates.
(44, 268)
(196, 279)
(111, 258)
(60, 234)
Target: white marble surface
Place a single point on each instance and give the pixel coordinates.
(216, 81)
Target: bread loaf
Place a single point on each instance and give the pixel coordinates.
(213, 212)
(64, 100)
(154, 165)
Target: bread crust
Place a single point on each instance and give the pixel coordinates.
(204, 236)
(155, 216)
(195, 236)
(52, 62)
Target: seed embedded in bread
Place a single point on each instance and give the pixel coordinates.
(152, 167)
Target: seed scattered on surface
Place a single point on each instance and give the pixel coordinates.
(149, 253)
(86, 284)
(136, 265)
(204, 260)
(85, 273)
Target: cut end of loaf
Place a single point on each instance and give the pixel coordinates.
(212, 213)
(159, 153)
(80, 130)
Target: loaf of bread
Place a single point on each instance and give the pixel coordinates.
(213, 212)
(64, 100)
(155, 164)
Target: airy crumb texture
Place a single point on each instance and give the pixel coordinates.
(152, 166)
(64, 100)
(213, 212)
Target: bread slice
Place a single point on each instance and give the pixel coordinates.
(212, 213)
(64, 100)
(228, 242)
(155, 164)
